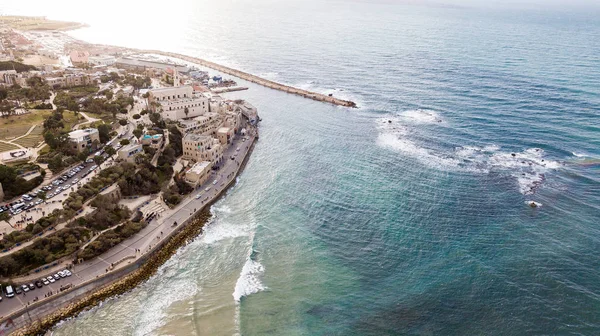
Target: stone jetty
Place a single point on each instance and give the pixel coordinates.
(256, 79)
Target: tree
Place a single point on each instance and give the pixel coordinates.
(186, 111)
(109, 94)
(136, 116)
(123, 122)
(3, 93)
(138, 132)
(4, 216)
(82, 156)
(124, 142)
(103, 133)
(35, 81)
(110, 150)
(98, 159)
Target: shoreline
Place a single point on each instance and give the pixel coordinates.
(125, 279)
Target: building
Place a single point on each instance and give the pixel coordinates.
(8, 77)
(70, 80)
(225, 135)
(202, 148)
(178, 102)
(247, 111)
(112, 194)
(79, 57)
(207, 124)
(136, 64)
(83, 140)
(154, 141)
(170, 93)
(102, 60)
(198, 173)
(129, 152)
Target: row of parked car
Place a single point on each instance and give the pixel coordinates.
(10, 292)
(30, 200)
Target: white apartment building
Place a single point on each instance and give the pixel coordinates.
(206, 124)
(83, 140)
(129, 152)
(102, 60)
(198, 173)
(202, 148)
(70, 80)
(172, 102)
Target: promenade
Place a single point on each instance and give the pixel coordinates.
(146, 241)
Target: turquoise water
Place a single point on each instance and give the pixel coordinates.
(407, 215)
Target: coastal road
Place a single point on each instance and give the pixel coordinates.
(156, 231)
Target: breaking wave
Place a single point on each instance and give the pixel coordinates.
(529, 167)
(249, 281)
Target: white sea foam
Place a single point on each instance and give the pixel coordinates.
(249, 281)
(221, 231)
(154, 314)
(421, 116)
(528, 168)
(424, 155)
(336, 92)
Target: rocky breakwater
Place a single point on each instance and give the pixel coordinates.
(144, 272)
(256, 79)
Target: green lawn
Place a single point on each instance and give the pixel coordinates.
(16, 126)
(31, 140)
(6, 147)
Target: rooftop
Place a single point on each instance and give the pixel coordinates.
(81, 133)
(130, 147)
(196, 137)
(199, 167)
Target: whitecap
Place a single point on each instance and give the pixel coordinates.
(421, 116)
(528, 168)
(154, 314)
(249, 281)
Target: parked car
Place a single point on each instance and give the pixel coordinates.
(8, 290)
(45, 281)
(51, 279)
(18, 290)
(25, 288)
(31, 286)
(56, 276)
(39, 284)
(67, 273)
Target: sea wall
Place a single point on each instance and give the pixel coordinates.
(70, 303)
(255, 79)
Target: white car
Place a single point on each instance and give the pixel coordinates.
(45, 281)
(67, 273)
(51, 279)
(25, 288)
(199, 195)
(215, 182)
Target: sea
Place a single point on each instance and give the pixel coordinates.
(409, 215)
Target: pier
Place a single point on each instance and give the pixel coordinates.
(255, 79)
